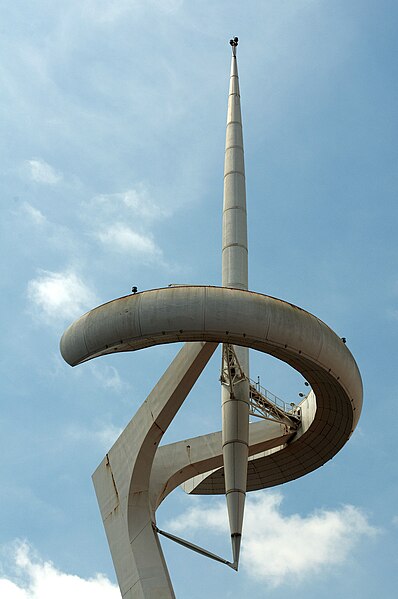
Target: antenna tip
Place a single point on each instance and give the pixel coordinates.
(234, 41)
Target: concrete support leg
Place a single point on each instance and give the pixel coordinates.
(122, 480)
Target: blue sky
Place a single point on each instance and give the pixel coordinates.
(112, 166)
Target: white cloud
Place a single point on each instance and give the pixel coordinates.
(395, 520)
(41, 172)
(108, 215)
(33, 578)
(59, 296)
(104, 435)
(214, 518)
(278, 548)
(137, 201)
(122, 238)
(108, 376)
(34, 214)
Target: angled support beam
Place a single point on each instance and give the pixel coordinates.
(122, 480)
(194, 547)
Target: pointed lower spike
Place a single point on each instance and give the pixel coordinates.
(235, 433)
(236, 542)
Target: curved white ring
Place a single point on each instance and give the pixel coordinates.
(242, 318)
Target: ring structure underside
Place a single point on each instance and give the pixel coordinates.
(244, 318)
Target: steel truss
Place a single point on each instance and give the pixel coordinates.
(263, 404)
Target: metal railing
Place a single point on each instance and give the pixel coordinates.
(265, 404)
(274, 399)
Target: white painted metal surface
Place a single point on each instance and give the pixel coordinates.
(134, 478)
(136, 474)
(235, 399)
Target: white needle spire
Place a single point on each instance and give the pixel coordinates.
(235, 397)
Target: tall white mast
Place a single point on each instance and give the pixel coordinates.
(235, 395)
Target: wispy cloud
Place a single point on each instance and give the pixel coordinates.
(108, 214)
(32, 578)
(34, 214)
(42, 172)
(108, 377)
(137, 201)
(104, 435)
(59, 296)
(278, 548)
(123, 238)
